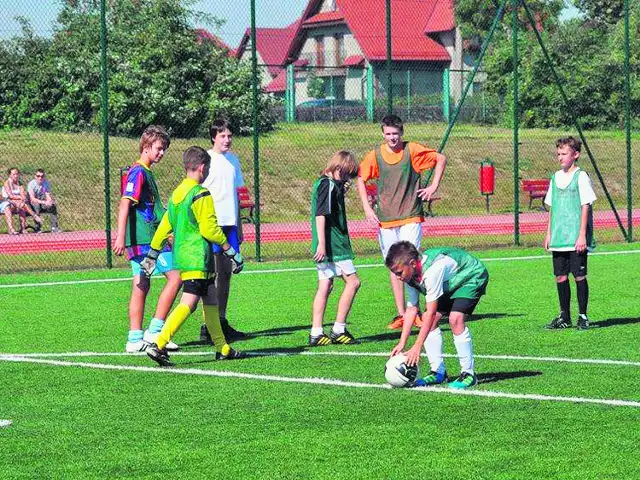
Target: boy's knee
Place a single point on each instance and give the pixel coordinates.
(562, 278)
(581, 279)
(354, 282)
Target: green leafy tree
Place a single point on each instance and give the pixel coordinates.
(315, 85)
(602, 11)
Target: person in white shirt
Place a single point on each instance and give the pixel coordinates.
(225, 176)
(41, 199)
(570, 231)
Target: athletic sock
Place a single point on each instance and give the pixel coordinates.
(464, 347)
(339, 328)
(582, 288)
(155, 325)
(212, 320)
(173, 323)
(316, 331)
(135, 336)
(564, 296)
(433, 349)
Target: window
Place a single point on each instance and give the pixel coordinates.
(338, 41)
(319, 52)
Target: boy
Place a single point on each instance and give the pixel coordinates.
(191, 216)
(570, 231)
(223, 181)
(453, 282)
(396, 166)
(42, 201)
(139, 214)
(331, 248)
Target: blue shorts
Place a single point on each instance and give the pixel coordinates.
(164, 263)
(231, 232)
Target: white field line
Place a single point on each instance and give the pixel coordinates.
(585, 361)
(287, 270)
(324, 381)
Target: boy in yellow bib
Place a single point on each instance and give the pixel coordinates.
(191, 217)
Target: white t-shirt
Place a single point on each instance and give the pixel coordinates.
(224, 178)
(433, 279)
(585, 188)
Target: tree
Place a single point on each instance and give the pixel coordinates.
(602, 11)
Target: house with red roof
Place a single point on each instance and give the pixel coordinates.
(339, 40)
(272, 47)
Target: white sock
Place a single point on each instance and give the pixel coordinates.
(316, 331)
(339, 328)
(433, 349)
(464, 347)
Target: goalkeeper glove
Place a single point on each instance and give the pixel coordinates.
(237, 261)
(148, 264)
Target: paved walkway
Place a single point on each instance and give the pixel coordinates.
(441, 226)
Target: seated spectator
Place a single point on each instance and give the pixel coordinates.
(42, 201)
(14, 202)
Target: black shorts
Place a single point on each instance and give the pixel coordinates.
(446, 305)
(570, 262)
(198, 286)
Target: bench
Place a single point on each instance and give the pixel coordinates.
(246, 203)
(372, 196)
(535, 188)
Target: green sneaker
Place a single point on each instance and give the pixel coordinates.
(342, 338)
(465, 380)
(434, 378)
(319, 340)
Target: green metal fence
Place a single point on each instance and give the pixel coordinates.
(82, 78)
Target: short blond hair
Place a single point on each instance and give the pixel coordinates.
(343, 162)
(153, 133)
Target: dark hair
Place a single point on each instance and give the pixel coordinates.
(10, 169)
(219, 125)
(571, 142)
(392, 121)
(193, 157)
(153, 133)
(40, 171)
(401, 253)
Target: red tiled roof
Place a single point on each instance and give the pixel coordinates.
(325, 17)
(301, 62)
(366, 20)
(272, 45)
(278, 84)
(354, 61)
(203, 35)
(441, 18)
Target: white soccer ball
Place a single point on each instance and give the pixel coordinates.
(398, 373)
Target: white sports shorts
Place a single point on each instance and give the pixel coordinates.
(411, 232)
(328, 270)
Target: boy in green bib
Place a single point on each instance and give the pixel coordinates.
(452, 282)
(570, 231)
(191, 217)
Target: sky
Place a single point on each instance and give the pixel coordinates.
(236, 13)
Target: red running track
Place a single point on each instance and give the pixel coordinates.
(502, 224)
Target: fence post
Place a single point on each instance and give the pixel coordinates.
(446, 95)
(516, 151)
(105, 130)
(254, 119)
(290, 95)
(408, 93)
(370, 103)
(332, 95)
(389, 72)
(627, 122)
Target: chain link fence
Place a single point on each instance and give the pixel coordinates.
(325, 73)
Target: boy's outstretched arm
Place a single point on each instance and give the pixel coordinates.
(438, 172)
(370, 215)
(428, 318)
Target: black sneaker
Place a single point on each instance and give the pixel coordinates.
(558, 323)
(319, 340)
(231, 355)
(161, 357)
(343, 338)
(583, 322)
(205, 337)
(232, 334)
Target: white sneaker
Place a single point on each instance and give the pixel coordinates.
(152, 337)
(134, 347)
